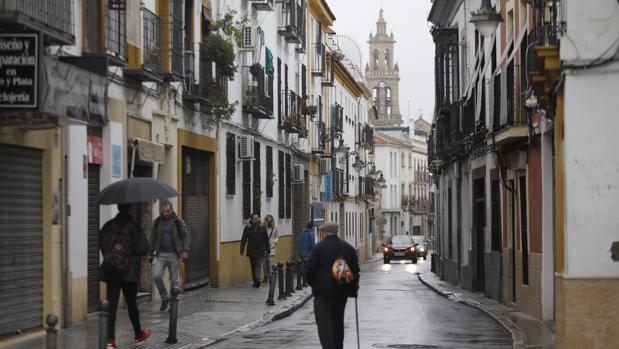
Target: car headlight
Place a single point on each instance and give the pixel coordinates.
(421, 249)
(386, 249)
(413, 249)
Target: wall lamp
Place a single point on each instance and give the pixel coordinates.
(486, 19)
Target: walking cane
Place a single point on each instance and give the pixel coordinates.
(357, 318)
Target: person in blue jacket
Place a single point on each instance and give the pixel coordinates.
(307, 240)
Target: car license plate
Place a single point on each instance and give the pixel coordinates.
(399, 254)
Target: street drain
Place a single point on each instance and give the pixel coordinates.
(407, 346)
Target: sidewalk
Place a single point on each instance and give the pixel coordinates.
(206, 316)
(526, 331)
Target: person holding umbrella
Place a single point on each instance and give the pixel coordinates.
(169, 247)
(122, 245)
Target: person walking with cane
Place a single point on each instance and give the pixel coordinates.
(333, 274)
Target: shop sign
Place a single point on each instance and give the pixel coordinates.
(18, 70)
(328, 186)
(116, 160)
(95, 150)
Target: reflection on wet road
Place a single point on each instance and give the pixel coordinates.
(395, 311)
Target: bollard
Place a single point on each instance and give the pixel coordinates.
(293, 266)
(289, 278)
(173, 316)
(304, 267)
(104, 313)
(280, 280)
(299, 273)
(52, 332)
(272, 278)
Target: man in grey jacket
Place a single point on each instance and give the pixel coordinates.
(169, 246)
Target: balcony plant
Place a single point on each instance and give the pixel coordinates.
(309, 110)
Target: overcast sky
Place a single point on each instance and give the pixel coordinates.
(414, 50)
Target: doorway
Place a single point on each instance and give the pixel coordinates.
(479, 222)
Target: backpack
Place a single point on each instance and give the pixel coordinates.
(117, 254)
(340, 271)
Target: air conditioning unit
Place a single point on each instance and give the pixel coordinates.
(262, 5)
(246, 147)
(325, 165)
(248, 41)
(298, 173)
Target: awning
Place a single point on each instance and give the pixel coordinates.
(148, 151)
(70, 91)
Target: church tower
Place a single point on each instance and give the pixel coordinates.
(383, 75)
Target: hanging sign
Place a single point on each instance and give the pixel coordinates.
(18, 70)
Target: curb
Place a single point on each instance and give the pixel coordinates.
(269, 317)
(518, 338)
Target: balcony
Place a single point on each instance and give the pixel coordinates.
(262, 5)
(367, 136)
(257, 96)
(337, 118)
(319, 134)
(293, 121)
(151, 68)
(52, 18)
(291, 22)
(340, 182)
(318, 61)
(328, 75)
(210, 79)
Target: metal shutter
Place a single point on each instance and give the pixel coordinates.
(21, 239)
(93, 238)
(195, 201)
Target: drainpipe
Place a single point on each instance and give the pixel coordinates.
(65, 209)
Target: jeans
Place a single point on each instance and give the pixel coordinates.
(256, 263)
(130, 291)
(329, 312)
(268, 266)
(165, 260)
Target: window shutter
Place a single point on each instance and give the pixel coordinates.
(246, 189)
(279, 91)
(303, 80)
(281, 184)
(257, 188)
(270, 174)
(288, 187)
(230, 164)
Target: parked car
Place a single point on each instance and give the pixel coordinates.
(399, 247)
(422, 247)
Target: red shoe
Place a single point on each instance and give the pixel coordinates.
(143, 336)
(111, 344)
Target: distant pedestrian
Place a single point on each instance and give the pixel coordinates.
(257, 241)
(169, 247)
(307, 240)
(122, 244)
(273, 234)
(333, 273)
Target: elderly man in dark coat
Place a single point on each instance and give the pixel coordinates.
(258, 246)
(331, 294)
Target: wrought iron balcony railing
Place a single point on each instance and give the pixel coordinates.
(292, 20)
(210, 79)
(53, 18)
(257, 97)
(548, 21)
(151, 68)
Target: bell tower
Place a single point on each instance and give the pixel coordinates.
(383, 75)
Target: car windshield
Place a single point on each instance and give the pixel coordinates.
(418, 240)
(401, 240)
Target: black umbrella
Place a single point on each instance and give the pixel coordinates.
(136, 189)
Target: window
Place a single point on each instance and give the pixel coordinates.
(449, 220)
(175, 47)
(281, 184)
(230, 163)
(269, 174)
(403, 160)
(116, 35)
(524, 234)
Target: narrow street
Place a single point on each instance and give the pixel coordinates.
(395, 311)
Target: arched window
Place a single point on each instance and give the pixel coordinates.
(387, 59)
(376, 96)
(376, 55)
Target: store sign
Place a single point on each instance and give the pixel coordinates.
(328, 177)
(18, 70)
(95, 150)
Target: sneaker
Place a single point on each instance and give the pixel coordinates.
(143, 336)
(111, 344)
(164, 304)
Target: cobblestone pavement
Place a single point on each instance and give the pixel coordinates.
(395, 311)
(206, 315)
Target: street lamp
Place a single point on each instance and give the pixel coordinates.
(381, 180)
(486, 19)
(341, 148)
(358, 165)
